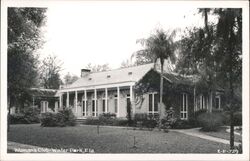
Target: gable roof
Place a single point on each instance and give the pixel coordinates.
(130, 74)
(40, 92)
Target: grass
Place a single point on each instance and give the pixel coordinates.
(221, 133)
(111, 140)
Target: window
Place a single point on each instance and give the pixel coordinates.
(44, 106)
(94, 109)
(128, 99)
(116, 103)
(103, 105)
(217, 102)
(184, 107)
(153, 103)
(84, 111)
(202, 102)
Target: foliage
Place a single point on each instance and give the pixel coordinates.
(237, 119)
(140, 117)
(64, 117)
(69, 79)
(143, 120)
(92, 121)
(49, 72)
(108, 115)
(23, 38)
(49, 119)
(98, 68)
(29, 115)
(181, 124)
(210, 121)
(169, 119)
(108, 121)
(129, 113)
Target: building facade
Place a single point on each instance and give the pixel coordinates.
(111, 91)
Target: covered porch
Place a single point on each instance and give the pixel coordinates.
(93, 101)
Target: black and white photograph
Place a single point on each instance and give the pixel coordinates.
(159, 79)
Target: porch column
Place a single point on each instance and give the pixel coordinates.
(85, 102)
(95, 102)
(211, 101)
(118, 101)
(67, 104)
(61, 100)
(131, 99)
(106, 100)
(76, 101)
(194, 99)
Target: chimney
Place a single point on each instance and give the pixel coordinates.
(84, 72)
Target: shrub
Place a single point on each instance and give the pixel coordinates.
(92, 121)
(28, 116)
(49, 119)
(64, 117)
(120, 122)
(17, 119)
(149, 123)
(210, 121)
(140, 117)
(108, 115)
(237, 120)
(181, 124)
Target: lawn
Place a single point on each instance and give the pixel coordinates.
(221, 133)
(111, 140)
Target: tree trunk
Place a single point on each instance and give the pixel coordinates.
(231, 129)
(161, 92)
(231, 115)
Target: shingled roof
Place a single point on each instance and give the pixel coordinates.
(40, 92)
(130, 74)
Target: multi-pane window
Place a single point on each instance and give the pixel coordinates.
(153, 103)
(116, 103)
(44, 106)
(103, 105)
(84, 109)
(94, 108)
(217, 102)
(202, 102)
(184, 106)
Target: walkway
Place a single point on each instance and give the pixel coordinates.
(195, 132)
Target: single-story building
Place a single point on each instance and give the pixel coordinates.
(111, 91)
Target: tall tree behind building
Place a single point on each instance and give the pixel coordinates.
(24, 37)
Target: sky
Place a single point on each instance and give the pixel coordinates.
(106, 32)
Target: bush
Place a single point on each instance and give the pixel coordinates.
(17, 119)
(49, 119)
(144, 120)
(181, 124)
(237, 120)
(28, 116)
(92, 121)
(210, 121)
(64, 117)
(140, 117)
(108, 115)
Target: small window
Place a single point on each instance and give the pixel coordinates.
(129, 73)
(184, 107)
(108, 76)
(90, 78)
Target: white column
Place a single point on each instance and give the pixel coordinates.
(61, 100)
(85, 102)
(67, 104)
(131, 99)
(76, 101)
(118, 101)
(106, 100)
(95, 102)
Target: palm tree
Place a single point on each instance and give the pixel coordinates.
(160, 47)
